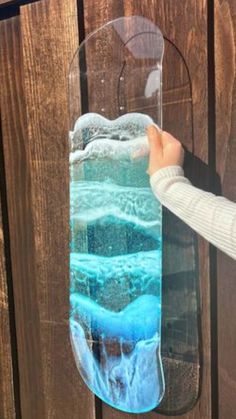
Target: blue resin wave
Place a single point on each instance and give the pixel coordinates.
(115, 263)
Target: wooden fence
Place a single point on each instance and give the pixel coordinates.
(38, 378)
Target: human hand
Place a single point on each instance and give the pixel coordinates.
(165, 150)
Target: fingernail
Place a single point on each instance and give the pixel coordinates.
(152, 132)
(151, 129)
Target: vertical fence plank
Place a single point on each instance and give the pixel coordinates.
(7, 409)
(225, 56)
(35, 135)
(49, 40)
(191, 41)
(5, 2)
(20, 222)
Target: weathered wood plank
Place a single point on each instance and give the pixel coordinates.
(7, 408)
(225, 28)
(225, 56)
(49, 40)
(38, 199)
(5, 2)
(19, 215)
(190, 121)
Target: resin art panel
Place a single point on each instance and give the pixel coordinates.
(115, 220)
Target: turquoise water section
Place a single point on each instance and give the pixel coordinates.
(115, 263)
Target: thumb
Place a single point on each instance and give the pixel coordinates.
(155, 140)
(156, 148)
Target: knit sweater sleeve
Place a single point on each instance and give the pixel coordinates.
(213, 217)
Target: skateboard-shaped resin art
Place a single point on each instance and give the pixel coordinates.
(115, 220)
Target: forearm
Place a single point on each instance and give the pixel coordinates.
(211, 216)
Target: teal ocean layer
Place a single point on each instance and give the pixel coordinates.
(119, 360)
(115, 269)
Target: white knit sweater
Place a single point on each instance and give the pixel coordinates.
(214, 217)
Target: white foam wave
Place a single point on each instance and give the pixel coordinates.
(131, 382)
(91, 201)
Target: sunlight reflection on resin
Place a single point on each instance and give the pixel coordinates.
(115, 262)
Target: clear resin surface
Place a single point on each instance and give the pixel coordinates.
(115, 220)
(115, 262)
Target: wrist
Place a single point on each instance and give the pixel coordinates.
(166, 172)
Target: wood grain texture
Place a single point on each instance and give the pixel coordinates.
(6, 2)
(225, 56)
(49, 40)
(189, 121)
(18, 197)
(225, 77)
(35, 125)
(7, 408)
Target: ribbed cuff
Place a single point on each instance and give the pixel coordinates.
(166, 173)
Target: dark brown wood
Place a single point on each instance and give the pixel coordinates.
(6, 2)
(20, 220)
(225, 55)
(225, 28)
(185, 115)
(49, 40)
(35, 128)
(7, 408)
